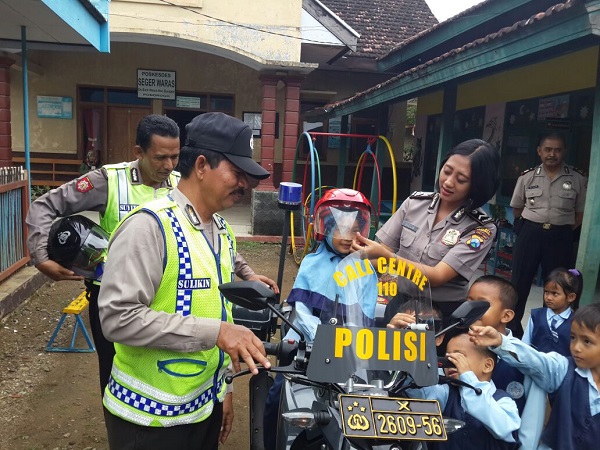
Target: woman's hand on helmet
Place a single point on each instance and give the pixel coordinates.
(54, 270)
(368, 248)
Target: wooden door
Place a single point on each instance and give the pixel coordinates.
(121, 129)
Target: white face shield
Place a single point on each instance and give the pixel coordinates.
(343, 223)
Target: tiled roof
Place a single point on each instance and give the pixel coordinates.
(476, 43)
(382, 24)
(426, 31)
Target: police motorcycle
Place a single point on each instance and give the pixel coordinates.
(344, 386)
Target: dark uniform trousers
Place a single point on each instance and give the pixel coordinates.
(124, 435)
(105, 350)
(551, 247)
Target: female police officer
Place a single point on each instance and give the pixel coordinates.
(445, 230)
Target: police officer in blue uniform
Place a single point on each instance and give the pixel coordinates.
(547, 203)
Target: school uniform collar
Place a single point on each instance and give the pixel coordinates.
(193, 216)
(587, 374)
(563, 315)
(135, 176)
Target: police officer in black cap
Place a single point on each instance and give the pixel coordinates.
(547, 203)
(159, 300)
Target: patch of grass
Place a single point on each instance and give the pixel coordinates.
(248, 245)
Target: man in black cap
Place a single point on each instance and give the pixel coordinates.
(159, 301)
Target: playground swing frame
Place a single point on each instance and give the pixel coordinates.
(317, 189)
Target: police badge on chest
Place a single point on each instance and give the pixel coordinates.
(451, 237)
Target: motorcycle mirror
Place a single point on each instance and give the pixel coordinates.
(466, 314)
(252, 295)
(469, 312)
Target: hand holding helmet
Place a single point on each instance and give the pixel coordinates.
(77, 245)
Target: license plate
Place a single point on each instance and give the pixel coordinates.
(391, 418)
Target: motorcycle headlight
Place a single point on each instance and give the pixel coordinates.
(300, 419)
(453, 425)
(305, 418)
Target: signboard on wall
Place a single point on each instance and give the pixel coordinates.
(54, 107)
(156, 84)
(556, 107)
(188, 102)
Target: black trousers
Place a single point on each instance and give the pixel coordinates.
(105, 350)
(535, 245)
(123, 435)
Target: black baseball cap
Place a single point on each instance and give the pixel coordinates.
(227, 135)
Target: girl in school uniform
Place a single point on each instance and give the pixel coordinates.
(549, 328)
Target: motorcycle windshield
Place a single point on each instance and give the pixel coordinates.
(348, 344)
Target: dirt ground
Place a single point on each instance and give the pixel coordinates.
(51, 400)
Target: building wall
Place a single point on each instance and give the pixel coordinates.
(268, 30)
(537, 80)
(64, 71)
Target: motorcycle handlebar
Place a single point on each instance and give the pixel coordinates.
(281, 350)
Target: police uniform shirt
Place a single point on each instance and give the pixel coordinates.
(550, 201)
(460, 240)
(86, 193)
(134, 279)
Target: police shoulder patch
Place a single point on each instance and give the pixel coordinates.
(422, 195)
(480, 216)
(527, 171)
(579, 171)
(84, 185)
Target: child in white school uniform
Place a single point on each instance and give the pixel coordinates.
(574, 381)
(492, 418)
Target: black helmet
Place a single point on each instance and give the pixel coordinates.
(79, 244)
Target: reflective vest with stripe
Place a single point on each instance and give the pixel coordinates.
(159, 387)
(124, 197)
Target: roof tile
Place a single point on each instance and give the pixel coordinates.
(483, 40)
(382, 24)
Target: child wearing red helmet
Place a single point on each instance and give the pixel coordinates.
(338, 216)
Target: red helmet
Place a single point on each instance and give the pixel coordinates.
(344, 210)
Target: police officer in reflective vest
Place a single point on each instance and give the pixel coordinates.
(113, 190)
(159, 300)
(547, 203)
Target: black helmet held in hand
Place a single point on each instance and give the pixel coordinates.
(79, 244)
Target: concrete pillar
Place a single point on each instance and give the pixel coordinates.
(588, 255)
(449, 110)
(5, 130)
(290, 129)
(269, 102)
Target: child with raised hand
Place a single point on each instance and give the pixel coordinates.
(574, 381)
(549, 328)
(502, 297)
(492, 418)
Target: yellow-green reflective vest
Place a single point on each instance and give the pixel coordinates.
(158, 387)
(124, 197)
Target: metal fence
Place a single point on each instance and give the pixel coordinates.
(14, 202)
